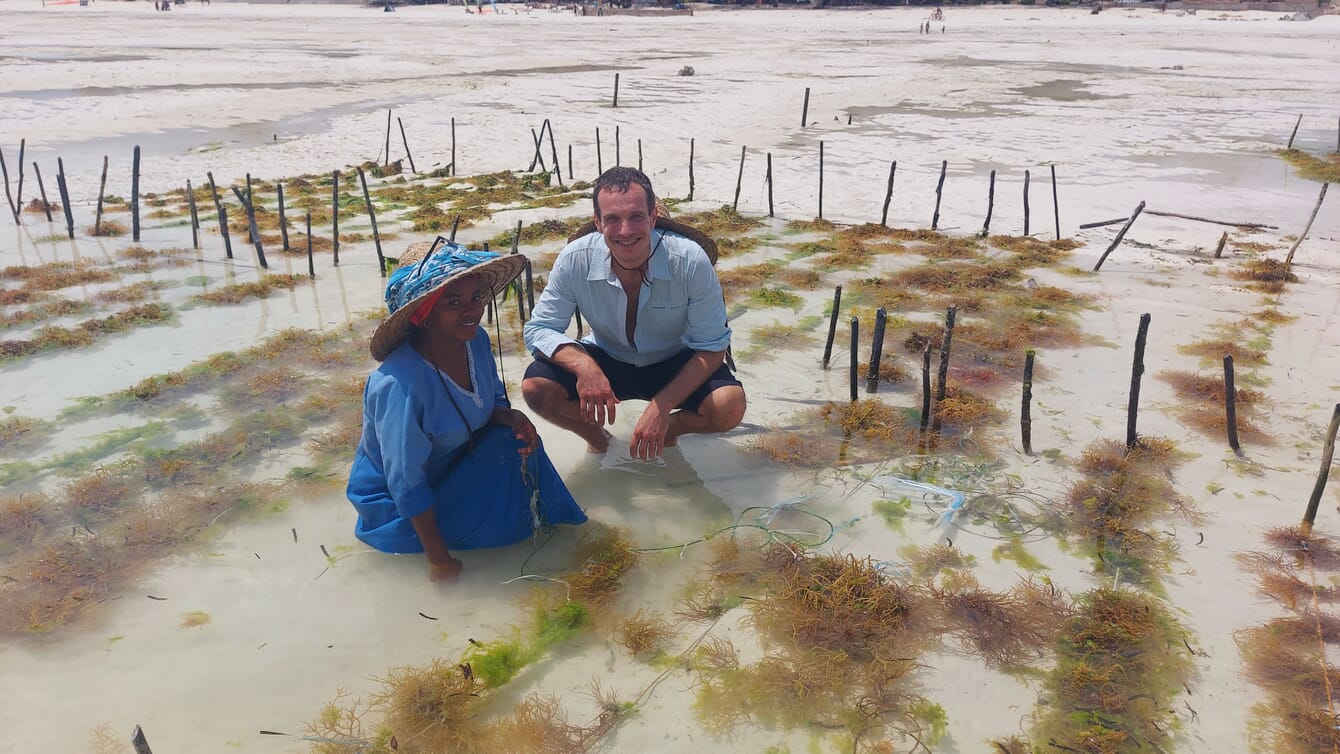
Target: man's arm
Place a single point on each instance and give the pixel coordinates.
(649, 435)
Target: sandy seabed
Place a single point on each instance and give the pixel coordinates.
(1182, 112)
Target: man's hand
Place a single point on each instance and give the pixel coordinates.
(649, 434)
(447, 572)
(524, 430)
(595, 396)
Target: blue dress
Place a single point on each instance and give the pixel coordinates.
(416, 454)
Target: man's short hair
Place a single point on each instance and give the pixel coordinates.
(620, 179)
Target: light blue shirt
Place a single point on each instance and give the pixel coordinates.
(681, 308)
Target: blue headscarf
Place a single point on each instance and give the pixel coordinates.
(411, 281)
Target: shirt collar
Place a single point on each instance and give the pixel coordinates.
(658, 269)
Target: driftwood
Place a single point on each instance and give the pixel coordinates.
(1253, 226)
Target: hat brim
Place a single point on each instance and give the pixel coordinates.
(496, 274)
(667, 225)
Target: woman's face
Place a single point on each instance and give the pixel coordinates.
(457, 313)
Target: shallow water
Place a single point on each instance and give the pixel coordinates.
(298, 609)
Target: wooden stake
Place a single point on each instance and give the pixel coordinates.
(990, 205)
(251, 226)
(18, 194)
(1056, 204)
(832, 324)
(135, 195)
(1296, 124)
(876, 351)
(102, 187)
(600, 163)
(639, 156)
(311, 263)
(455, 223)
(195, 216)
(9, 198)
(536, 157)
(578, 314)
(942, 376)
(739, 179)
(221, 216)
(453, 146)
(335, 216)
(1327, 454)
(553, 149)
(925, 387)
(530, 288)
(1288, 261)
(372, 215)
(616, 92)
(388, 137)
(821, 180)
(516, 237)
(855, 344)
(1230, 223)
(1026, 410)
(140, 743)
(405, 141)
(939, 189)
(41, 187)
(618, 158)
(805, 109)
(1120, 235)
(1104, 223)
(251, 238)
(1223, 241)
(690, 198)
(569, 161)
(770, 211)
(888, 195)
(65, 197)
(1230, 405)
(1137, 371)
(1026, 179)
(283, 218)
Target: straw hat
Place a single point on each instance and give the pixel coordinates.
(663, 222)
(495, 272)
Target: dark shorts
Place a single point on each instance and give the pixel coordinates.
(633, 382)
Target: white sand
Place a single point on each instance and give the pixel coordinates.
(1179, 111)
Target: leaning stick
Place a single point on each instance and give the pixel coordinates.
(990, 205)
(1296, 124)
(372, 215)
(1056, 204)
(223, 230)
(639, 156)
(925, 387)
(195, 216)
(855, 344)
(1230, 405)
(1327, 453)
(739, 179)
(888, 195)
(388, 137)
(536, 157)
(404, 140)
(41, 187)
(1251, 226)
(1104, 223)
(135, 195)
(1223, 241)
(553, 149)
(1120, 235)
(805, 108)
(251, 226)
(9, 198)
(876, 351)
(139, 742)
(1137, 371)
(1320, 197)
(102, 186)
(65, 197)
(455, 224)
(1026, 410)
(939, 189)
(943, 375)
(832, 325)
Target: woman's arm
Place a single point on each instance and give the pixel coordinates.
(441, 566)
(520, 424)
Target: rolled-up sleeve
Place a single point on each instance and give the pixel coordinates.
(547, 328)
(707, 329)
(404, 446)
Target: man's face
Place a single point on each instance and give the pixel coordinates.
(626, 225)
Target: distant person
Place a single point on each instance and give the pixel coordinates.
(445, 462)
(658, 328)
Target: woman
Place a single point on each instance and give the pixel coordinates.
(445, 462)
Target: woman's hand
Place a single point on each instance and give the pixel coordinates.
(446, 572)
(521, 426)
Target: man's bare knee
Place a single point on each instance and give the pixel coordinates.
(725, 408)
(542, 395)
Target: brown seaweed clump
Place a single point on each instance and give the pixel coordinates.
(606, 558)
(432, 709)
(1201, 405)
(1006, 629)
(798, 450)
(1121, 660)
(1264, 275)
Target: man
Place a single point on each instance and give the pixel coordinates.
(658, 329)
